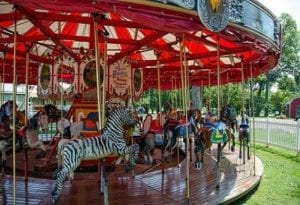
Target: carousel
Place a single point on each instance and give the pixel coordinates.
(102, 56)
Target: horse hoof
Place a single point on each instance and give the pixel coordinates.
(198, 165)
(232, 148)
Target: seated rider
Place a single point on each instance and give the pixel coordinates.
(5, 130)
(244, 120)
(210, 119)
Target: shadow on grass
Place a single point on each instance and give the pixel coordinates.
(245, 198)
(278, 152)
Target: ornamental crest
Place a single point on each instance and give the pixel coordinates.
(214, 14)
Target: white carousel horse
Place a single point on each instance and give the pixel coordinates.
(37, 121)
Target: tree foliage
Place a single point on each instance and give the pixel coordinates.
(286, 75)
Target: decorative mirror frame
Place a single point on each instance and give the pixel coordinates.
(43, 92)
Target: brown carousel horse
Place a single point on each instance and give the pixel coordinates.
(211, 128)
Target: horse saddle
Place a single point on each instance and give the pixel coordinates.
(218, 133)
(158, 139)
(244, 126)
(21, 132)
(180, 130)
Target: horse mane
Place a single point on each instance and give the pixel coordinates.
(33, 121)
(52, 111)
(2, 109)
(112, 114)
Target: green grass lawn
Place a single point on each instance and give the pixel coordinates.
(280, 182)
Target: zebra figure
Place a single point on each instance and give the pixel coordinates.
(70, 153)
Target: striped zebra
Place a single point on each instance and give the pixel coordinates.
(70, 153)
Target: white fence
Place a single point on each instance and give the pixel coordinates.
(280, 133)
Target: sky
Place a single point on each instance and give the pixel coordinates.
(277, 7)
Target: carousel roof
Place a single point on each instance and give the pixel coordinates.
(149, 34)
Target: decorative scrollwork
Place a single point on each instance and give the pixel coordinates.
(214, 14)
(236, 11)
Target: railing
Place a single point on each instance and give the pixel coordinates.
(280, 133)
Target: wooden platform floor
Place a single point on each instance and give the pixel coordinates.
(153, 187)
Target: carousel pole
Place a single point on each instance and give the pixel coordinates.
(185, 105)
(26, 113)
(181, 71)
(159, 106)
(3, 81)
(218, 94)
(209, 93)
(26, 82)
(176, 95)
(104, 80)
(100, 99)
(159, 86)
(243, 107)
(14, 105)
(253, 119)
(228, 98)
(1, 93)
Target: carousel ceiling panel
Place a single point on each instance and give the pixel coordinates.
(147, 33)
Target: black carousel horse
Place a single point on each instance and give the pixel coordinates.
(6, 115)
(228, 116)
(244, 136)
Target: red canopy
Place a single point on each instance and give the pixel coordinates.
(142, 31)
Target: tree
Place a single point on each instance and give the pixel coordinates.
(289, 62)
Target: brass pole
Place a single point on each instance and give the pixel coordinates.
(104, 81)
(26, 85)
(253, 119)
(159, 88)
(3, 80)
(181, 69)
(97, 56)
(218, 75)
(185, 105)
(14, 105)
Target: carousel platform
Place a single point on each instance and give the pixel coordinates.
(141, 187)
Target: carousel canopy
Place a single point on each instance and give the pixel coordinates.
(151, 35)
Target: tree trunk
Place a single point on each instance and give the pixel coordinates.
(267, 96)
(258, 106)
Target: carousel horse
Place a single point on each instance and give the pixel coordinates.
(6, 140)
(176, 129)
(6, 109)
(69, 130)
(228, 116)
(30, 132)
(152, 137)
(244, 136)
(214, 131)
(6, 115)
(54, 114)
(70, 154)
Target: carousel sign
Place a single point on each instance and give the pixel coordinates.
(120, 79)
(214, 14)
